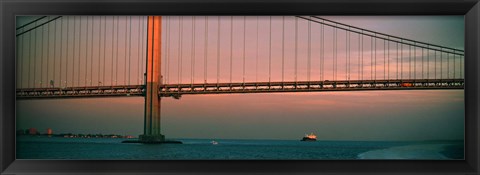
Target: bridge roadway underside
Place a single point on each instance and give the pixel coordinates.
(177, 90)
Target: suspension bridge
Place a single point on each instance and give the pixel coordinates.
(156, 57)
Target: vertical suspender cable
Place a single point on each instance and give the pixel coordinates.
(48, 52)
(29, 58)
(74, 46)
(409, 62)
(384, 59)
(283, 48)
(323, 54)
(20, 60)
(89, 52)
(423, 73)
(414, 62)
(54, 50)
(388, 58)
(462, 59)
(91, 55)
(113, 42)
(454, 57)
(375, 55)
(73, 54)
(320, 53)
(397, 59)
(231, 47)
(362, 55)
(129, 47)
(35, 59)
(167, 48)
(270, 51)
(428, 62)
(218, 50)
(296, 45)
(116, 54)
(139, 58)
(151, 69)
(441, 63)
(113, 29)
(309, 48)
(180, 38)
(349, 59)
(435, 65)
(66, 55)
(99, 49)
(125, 53)
(105, 48)
(193, 50)
(145, 33)
(206, 49)
(61, 49)
(23, 59)
(448, 64)
(256, 56)
(34, 56)
(346, 55)
(244, 44)
(144, 43)
(371, 59)
(359, 66)
(41, 56)
(86, 52)
(181, 50)
(334, 51)
(401, 60)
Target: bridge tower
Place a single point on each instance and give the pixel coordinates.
(151, 128)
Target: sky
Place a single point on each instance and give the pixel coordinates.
(361, 115)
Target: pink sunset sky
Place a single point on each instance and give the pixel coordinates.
(366, 115)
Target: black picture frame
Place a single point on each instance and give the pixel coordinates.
(9, 9)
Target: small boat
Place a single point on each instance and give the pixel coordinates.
(214, 142)
(309, 137)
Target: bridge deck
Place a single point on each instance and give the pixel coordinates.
(176, 90)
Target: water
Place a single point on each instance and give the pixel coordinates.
(40, 147)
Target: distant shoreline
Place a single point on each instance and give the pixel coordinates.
(69, 135)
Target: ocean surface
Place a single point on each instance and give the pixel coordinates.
(42, 147)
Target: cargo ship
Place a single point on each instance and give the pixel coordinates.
(309, 137)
